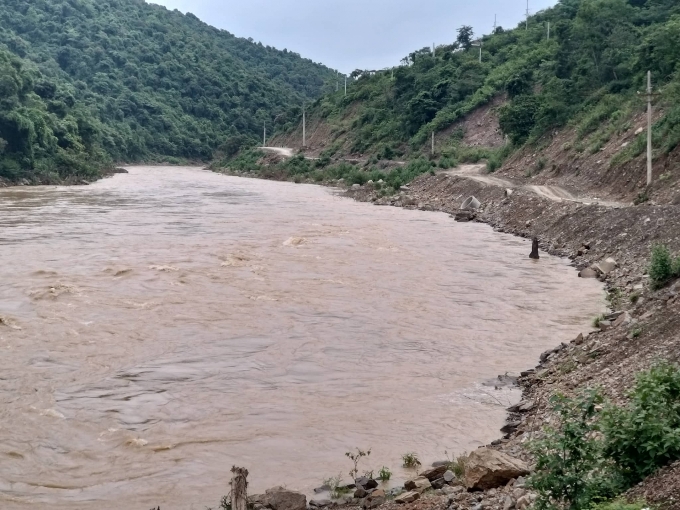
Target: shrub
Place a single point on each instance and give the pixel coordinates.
(662, 266)
(335, 486)
(457, 465)
(384, 474)
(571, 471)
(645, 435)
(411, 460)
(355, 457)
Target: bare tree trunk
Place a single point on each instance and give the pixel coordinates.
(239, 489)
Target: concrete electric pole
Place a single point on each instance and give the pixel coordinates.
(527, 14)
(649, 128)
(304, 127)
(264, 136)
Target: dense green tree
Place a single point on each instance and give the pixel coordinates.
(134, 81)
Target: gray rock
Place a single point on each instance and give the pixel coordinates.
(419, 484)
(373, 502)
(605, 325)
(487, 469)
(508, 503)
(439, 463)
(366, 483)
(510, 427)
(449, 476)
(434, 472)
(360, 493)
(279, 498)
(320, 503)
(323, 488)
(356, 186)
(438, 483)
(588, 273)
(525, 501)
(407, 497)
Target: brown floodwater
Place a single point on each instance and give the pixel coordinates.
(162, 326)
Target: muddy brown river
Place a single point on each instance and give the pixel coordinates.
(161, 326)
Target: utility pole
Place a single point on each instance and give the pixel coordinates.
(480, 50)
(548, 30)
(649, 128)
(433, 143)
(495, 24)
(393, 74)
(304, 127)
(264, 137)
(527, 14)
(337, 81)
(434, 50)
(345, 85)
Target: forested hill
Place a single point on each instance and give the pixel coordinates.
(576, 70)
(84, 83)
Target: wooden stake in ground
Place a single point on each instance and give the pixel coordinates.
(239, 488)
(534, 250)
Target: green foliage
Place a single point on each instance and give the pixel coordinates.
(457, 464)
(410, 460)
(645, 435)
(465, 35)
(518, 118)
(662, 267)
(336, 487)
(127, 80)
(384, 474)
(571, 471)
(585, 76)
(591, 457)
(621, 505)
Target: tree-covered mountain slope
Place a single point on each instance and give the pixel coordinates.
(571, 78)
(87, 82)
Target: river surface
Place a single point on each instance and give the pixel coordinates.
(161, 326)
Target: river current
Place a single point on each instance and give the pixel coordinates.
(161, 326)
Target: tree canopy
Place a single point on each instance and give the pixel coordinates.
(593, 63)
(96, 81)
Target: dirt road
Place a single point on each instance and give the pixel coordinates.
(554, 193)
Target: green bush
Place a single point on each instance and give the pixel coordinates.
(662, 266)
(571, 471)
(645, 435)
(590, 457)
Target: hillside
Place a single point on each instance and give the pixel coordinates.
(557, 104)
(86, 83)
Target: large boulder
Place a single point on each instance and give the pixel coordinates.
(434, 473)
(280, 498)
(487, 469)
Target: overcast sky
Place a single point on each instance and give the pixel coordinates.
(355, 34)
